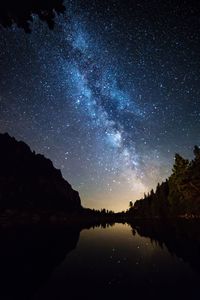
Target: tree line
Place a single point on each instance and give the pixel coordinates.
(179, 195)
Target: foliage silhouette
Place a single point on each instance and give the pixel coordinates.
(179, 195)
(20, 12)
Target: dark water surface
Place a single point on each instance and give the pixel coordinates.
(118, 262)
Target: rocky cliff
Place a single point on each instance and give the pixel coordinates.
(30, 181)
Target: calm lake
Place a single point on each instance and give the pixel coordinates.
(137, 261)
(118, 263)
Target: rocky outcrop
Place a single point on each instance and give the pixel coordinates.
(30, 181)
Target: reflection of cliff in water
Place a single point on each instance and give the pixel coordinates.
(29, 255)
(181, 238)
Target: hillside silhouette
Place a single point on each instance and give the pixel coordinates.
(29, 181)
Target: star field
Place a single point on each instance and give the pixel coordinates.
(109, 95)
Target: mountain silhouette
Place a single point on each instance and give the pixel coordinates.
(30, 181)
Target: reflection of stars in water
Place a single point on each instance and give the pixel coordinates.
(105, 99)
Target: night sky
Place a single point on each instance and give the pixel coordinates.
(110, 95)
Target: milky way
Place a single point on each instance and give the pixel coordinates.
(108, 97)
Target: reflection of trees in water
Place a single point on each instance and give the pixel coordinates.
(181, 238)
(29, 255)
